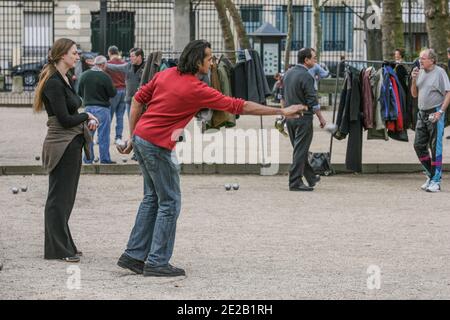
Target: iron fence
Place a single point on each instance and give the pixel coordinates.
(26, 34)
(128, 24)
(344, 25)
(27, 30)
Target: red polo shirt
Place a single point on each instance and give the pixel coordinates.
(117, 77)
(172, 100)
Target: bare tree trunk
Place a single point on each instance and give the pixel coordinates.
(290, 20)
(225, 26)
(374, 35)
(317, 28)
(392, 27)
(244, 43)
(438, 26)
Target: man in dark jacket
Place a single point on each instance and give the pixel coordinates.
(299, 89)
(133, 73)
(96, 88)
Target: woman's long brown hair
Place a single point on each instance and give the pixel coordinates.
(59, 49)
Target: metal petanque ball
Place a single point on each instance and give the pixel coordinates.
(24, 188)
(15, 190)
(331, 128)
(37, 158)
(236, 186)
(228, 187)
(124, 160)
(96, 159)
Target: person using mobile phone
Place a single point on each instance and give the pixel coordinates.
(431, 85)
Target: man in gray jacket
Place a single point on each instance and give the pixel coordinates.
(133, 73)
(299, 89)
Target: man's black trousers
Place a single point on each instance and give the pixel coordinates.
(301, 133)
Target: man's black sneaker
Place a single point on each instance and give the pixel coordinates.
(312, 183)
(165, 271)
(129, 263)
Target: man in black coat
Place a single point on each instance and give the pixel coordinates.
(299, 89)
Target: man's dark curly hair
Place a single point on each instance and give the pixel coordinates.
(193, 55)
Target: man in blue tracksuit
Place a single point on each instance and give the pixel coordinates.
(432, 87)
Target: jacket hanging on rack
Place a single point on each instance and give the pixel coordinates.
(220, 78)
(393, 104)
(248, 78)
(220, 81)
(151, 67)
(367, 97)
(349, 119)
(378, 131)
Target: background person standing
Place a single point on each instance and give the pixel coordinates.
(299, 89)
(432, 87)
(118, 101)
(133, 74)
(96, 88)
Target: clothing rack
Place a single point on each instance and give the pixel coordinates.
(345, 62)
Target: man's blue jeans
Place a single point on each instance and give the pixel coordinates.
(104, 128)
(118, 108)
(153, 236)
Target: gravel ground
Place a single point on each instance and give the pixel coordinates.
(261, 242)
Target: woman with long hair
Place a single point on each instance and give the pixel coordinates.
(67, 133)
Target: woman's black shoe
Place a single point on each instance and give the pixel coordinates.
(71, 259)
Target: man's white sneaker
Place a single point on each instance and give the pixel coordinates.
(434, 187)
(426, 185)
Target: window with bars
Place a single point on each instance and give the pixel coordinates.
(337, 29)
(37, 33)
(251, 17)
(301, 36)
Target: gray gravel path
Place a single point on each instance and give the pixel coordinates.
(261, 242)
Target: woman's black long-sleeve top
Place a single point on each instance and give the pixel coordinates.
(61, 100)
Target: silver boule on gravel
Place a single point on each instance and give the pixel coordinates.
(236, 186)
(37, 158)
(228, 187)
(24, 188)
(15, 190)
(96, 159)
(124, 160)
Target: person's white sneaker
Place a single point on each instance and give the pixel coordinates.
(426, 184)
(119, 142)
(434, 187)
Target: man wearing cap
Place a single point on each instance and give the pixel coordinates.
(96, 88)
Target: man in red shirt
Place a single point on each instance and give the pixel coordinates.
(172, 98)
(118, 101)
